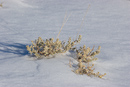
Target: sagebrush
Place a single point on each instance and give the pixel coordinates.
(84, 57)
(40, 48)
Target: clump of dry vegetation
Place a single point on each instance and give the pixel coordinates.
(49, 47)
(87, 69)
(1, 4)
(85, 56)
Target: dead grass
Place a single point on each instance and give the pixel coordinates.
(1, 4)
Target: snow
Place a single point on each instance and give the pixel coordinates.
(107, 24)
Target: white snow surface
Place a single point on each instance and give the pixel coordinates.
(107, 24)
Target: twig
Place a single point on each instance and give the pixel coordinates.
(91, 50)
(70, 63)
(82, 21)
(65, 20)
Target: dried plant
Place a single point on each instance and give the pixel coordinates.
(87, 69)
(84, 57)
(1, 4)
(87, 54)
(49, 47)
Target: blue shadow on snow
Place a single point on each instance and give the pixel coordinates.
(15, 48)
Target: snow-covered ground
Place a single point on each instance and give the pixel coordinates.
(107, 24)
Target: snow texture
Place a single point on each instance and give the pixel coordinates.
(107, 24)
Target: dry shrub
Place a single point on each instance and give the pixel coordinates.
(85, 56)
(49, 47)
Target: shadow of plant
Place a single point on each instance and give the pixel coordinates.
(15, 48)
